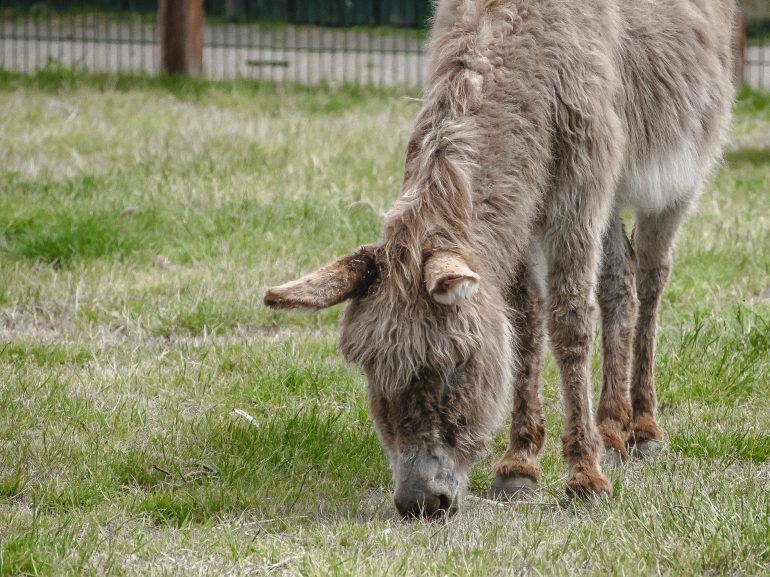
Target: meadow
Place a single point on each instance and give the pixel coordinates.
(156, 419)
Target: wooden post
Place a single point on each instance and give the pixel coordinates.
(739, 48)
(181, 36)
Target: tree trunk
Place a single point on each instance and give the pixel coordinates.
(181, 36)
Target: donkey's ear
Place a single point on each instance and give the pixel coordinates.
(448, 278)
(338, 281)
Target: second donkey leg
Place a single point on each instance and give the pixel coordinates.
(619, 306)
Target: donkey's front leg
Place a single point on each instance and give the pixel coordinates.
(572, 248)
(518, 470)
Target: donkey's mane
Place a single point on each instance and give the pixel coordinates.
(435, 210)
(439, 204)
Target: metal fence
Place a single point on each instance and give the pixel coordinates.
(756, 70)
(372, 42)
(76, 35)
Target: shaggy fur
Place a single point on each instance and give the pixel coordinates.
(540, 119)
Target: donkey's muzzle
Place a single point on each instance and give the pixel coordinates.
(416, 500)
(427, 485)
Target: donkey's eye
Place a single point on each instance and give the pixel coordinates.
(462, 367)
(459, 372)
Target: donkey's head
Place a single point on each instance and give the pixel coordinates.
(433, 340)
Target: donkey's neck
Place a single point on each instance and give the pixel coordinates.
(479, 155)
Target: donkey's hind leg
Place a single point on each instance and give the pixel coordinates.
(653, 238)
(518, 470)
(618, 304)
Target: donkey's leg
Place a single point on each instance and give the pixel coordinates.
(518, 469)
(618, 304)
(573, 243)
(653, 239)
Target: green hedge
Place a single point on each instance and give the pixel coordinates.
(408, 13)
(401, 13)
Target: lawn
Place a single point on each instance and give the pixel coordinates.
(158, 420)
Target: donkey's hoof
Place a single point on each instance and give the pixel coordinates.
(646, 449)
(612, 458)
(512, 488)
(586, 485)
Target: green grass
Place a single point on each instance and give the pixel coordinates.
(140, 222)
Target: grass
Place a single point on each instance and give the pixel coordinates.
(140, 222)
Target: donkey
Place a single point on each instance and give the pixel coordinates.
(541, 119)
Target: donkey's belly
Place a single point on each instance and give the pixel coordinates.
(663, 178)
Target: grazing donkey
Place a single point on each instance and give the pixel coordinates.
(540, 120)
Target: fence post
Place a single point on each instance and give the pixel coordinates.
(739, 48)
(181, 36)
